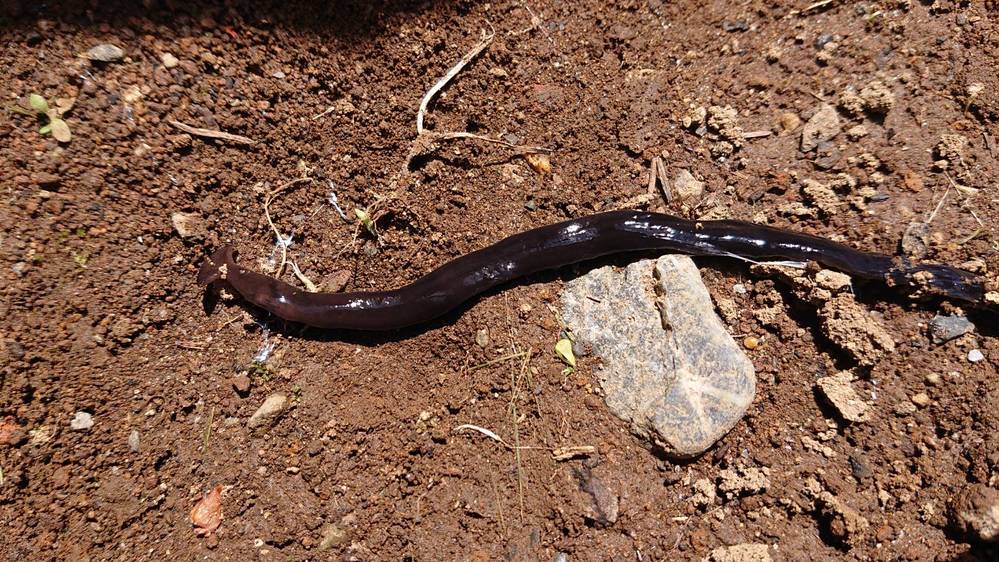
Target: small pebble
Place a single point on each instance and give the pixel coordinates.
(482, 337)
(790, 121)
(824, 126)
(839, 391)
(905, 408)
(856, 132)
(945, 328)
(922, 399)
(133, 441)
(915, 245)
(169, 60)
(337, 281)
(687, 187)
(188, 225)
(822, 40)
(734, 26)
(976, 356)
(933, 379)
(540, 163)
(82, 421)
(241, 384)
(751, 342)
(332, 535)
(268, 412)
(105, 53)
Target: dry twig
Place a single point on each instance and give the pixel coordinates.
(657, 174)
(309, 285)
(963, 189)
(478, 48)
(812, 7)
(516, 427)
(567, 453)
(209, 133)
(488, 433)
(426, 140)
(267, 213)
(939, 206)
(497, 360)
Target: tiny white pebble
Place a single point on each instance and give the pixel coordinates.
(133, 441)
(81, 421)
(169, 61)
(739, 289)
(975, 356)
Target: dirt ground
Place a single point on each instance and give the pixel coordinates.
(123, 401)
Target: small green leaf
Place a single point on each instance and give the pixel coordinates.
(46, 129)
(366, 221)
(564, 350)
(60, 130)
(38, 103)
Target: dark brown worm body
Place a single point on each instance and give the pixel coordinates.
(565, 243)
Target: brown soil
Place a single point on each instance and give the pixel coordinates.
(99, 311)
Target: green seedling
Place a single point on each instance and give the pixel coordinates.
(260, 370)
(54, 125)
(563, 348)
(365, 219)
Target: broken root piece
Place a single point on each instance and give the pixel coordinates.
(211, 134)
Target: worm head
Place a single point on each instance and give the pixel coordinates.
(217, 266)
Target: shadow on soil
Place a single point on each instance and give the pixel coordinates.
(356, 20)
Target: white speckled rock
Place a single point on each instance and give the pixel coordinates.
(677, 375)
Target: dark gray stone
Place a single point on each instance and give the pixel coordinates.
(945, 328)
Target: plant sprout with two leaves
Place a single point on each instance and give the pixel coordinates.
(55, 125)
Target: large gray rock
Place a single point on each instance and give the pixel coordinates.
(669, 366)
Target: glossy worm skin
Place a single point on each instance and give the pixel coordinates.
(557, 245)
